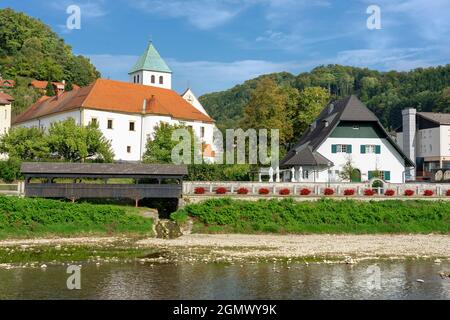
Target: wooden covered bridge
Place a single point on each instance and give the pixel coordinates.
(93, 180)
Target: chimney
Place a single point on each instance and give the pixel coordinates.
(409, 137)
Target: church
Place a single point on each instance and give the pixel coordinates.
(127, 112)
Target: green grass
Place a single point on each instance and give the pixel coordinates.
(324, 216)
(26, 217)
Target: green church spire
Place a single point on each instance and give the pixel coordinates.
(151, 61)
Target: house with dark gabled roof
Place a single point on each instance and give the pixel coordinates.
(346, 131)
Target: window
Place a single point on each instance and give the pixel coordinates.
(132, 126)
(305, 174)
(341, 148)
(384, 175)
(94, 121)
(161, 80)
(134, 79)
(431, 148)
(128, 149)
(153, 79)
(110, 124)
(202, 132)
(371, 148)
(137, 78)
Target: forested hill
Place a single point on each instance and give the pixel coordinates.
(29, 49)
(385, 93)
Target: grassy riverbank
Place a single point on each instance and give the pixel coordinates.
(24, 217)
(324, 216)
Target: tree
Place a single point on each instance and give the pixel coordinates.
(28, 144)
(348, 169)
(267, 109)
(10, 170)
(310, 103)
(68, 141)
(159, 147)
(50, 90)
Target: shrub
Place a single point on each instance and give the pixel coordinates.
(448, 193)
(389, 193)
(10, 170)
(199, 190)
(328, 192)
(263, 191)
(349, 192)
(221, 190)
(218, 172)
(285, 192)
(428, 193)
(305, 192)
(369, 192)
(409, 192)
(242, 191)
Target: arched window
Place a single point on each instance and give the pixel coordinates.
(153, 79)
(134, 79)
(137, 78)
(161, 80)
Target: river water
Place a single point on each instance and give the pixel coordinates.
(365, 280)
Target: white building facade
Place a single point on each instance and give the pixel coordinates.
(346, 133)
(127, 113)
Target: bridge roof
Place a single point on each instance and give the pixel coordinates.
(104, 169)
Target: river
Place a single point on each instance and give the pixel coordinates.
(365, 280)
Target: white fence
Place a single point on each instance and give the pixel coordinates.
(12, 189)
(316, 189)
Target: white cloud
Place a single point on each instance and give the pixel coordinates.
(201, 76)
(202, 14)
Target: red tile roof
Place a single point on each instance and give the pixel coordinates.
(116, 96)
(38, 84)
(5, 98)
(7, 83)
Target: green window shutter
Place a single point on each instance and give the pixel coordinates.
(378, 149)
(333, 148)
(349, 148)
(363, 148)
(370, 175)
(387, 175)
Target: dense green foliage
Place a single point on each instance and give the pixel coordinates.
(218, 172)
(324, 216)
(64, 141)
(10, 170)
(29, 49)
(25, 216)
(385, 93)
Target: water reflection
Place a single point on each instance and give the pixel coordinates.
(219, 281)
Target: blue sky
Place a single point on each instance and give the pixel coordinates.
(215, 44)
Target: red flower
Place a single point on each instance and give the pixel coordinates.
(328, 192)
(349, 192)
(221, 190)
(242, 191)
(285, 192)
(305, 192)
(199, 190)
(448, 193)
(428, 193)
(369, 192)
(389, 193)
(263, 191)
(409, 192)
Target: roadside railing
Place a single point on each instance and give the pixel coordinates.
(12, 189)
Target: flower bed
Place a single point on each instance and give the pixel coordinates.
(389, 193)
(305, 192)
(369, 192)
(448, 193)
(199, 190)
(328, 192)
(221, 190)
(242, 191)
(428, 193)
(285, 192)
(349, 192)
(263, 191)
(409, 193)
